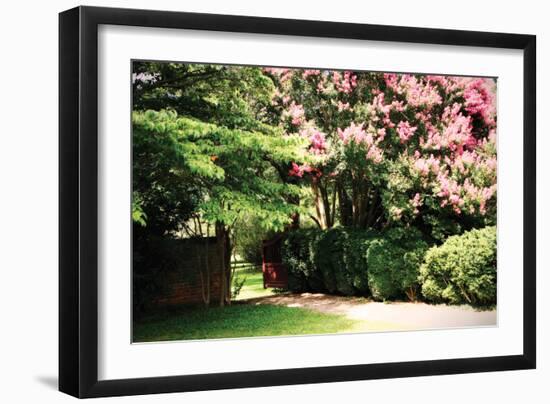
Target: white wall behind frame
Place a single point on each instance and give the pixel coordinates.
(28, 167)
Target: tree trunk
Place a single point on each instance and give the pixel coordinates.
(221, 244)
(205, 276)
(325, 214)
(295, 216)
(363, 204)
(229, 271)
(346, 211)
(319, 206)
(326, 207)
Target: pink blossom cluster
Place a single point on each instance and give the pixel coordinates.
(417, 92)
(343, 106)
(466, 197)
(317, 139)
(357, 135)
(309, 72)
(479, 94)
(469, 160)
(295, 113)
(405, 131)
(379, 105)
(479, 99)
(344, 83)
(455, 131)
(449, 192)
(416, 202)
(425, 166)
(479, 195)
(449, 178)
(445, 82)
(300, 170)
(452, 182)
(283, 74)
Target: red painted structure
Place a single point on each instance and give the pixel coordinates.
(274, 271)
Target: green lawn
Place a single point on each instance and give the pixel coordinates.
(254, 285)
(238, 320)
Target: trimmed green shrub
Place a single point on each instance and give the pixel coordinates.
(330, 261)
(393, 261)
(355, 259)
(294, 256)
(299, 251)
(333, 261)
(355, 262)
(462, 269)
(341, 260)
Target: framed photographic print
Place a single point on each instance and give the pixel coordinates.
(251, 201)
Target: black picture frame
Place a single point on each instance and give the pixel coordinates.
(78, 201)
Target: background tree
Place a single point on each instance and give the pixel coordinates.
(233, 169)
(217, 172)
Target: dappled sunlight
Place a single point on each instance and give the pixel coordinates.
(387, 316)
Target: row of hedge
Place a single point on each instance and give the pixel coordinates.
(394, 264)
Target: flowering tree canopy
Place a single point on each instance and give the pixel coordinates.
(393, 149)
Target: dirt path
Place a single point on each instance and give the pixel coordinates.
(386, 316)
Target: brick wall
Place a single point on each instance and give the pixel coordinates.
(182, 285)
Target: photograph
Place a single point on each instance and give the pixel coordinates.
(283, 201)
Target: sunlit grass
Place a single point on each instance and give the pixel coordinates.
(238, 320)
(253, 286)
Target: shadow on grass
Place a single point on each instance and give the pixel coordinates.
(237, 321)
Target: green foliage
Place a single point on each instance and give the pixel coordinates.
(341, 259)
(394, 260)
(355, 259)
(203, 151)
(355, 262)
(164, 193)
(248, 235)
(253, 286)
(237, 286)
(462, 269)
(229, 96)
(299, 252)
(328, 260)
(233, 167)
(138, 215)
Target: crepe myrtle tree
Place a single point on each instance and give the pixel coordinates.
(233, 168)
(393, 148)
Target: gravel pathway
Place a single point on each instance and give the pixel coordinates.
(387, 316)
